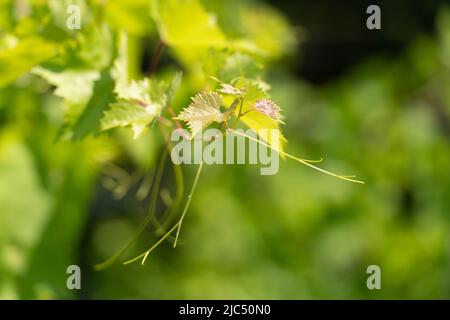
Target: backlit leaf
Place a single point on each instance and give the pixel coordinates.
(125, 113)
(72, 85)
(186, 23)
(22, 56)
(203, 110)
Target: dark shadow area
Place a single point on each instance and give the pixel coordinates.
(336, 37)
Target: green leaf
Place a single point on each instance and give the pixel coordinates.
(203, 110)
(120, 69)
(89, 120)
(71, 85)
(58, 13)
(6, 15)
(22, 56)
(239, 65)
(185, 23)
(255, 28)
(95, 48)
(60, 240)
(92, 49)
(23, 215)
(140, 102)
(131, 16)
(174, 85)
(76, 88)
(266, 32)
(124, 113)
(260, 122)
(148, 92)
(224, 65)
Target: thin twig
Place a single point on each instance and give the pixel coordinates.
(144, 224)
(177, 225)
(188, 202)
(303, 161)
(156, 57)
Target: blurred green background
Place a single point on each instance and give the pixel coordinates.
(373, 103)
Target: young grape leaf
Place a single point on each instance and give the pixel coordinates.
(261, 114)
(139, 103)
(268, 108)
(125, 113)
(203, 110)
(229, 89)
(263, 125)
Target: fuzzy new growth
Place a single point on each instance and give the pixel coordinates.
(269, 108)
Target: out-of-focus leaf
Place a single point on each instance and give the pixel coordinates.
(254, 27)
(25, 206)
(139, 103)
(120, 69)
(185, 23)
(23, 56)
(226, 65)
(72, 85)
(125, 113)
(132, 16)
(240, 65)
(63, 233)
(174, 86)
(147, 91)
(96, 47)
(89, 120)
(92, 50)
(59, 14)
(6, 15)
(266, 32)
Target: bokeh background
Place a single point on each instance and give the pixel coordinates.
(372, 103)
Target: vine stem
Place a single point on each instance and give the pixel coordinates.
(179, 181)
(303, 161)
(156, 57)
(188, 202)
(145, 223)
(177, 226)
(239, 114)
(146, 253)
